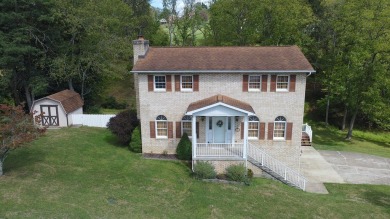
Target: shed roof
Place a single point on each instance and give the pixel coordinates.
(70, 100)
(271, 58)
(220, 99)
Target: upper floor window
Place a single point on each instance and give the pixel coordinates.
(186, 125)
(159, 83)
(253, 127)
(161, 127)
(254, 83)
(280, 128)
(186, 82)
(282, 82)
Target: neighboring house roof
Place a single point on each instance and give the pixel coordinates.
(70, 100)
(220, 99)
(208, 59)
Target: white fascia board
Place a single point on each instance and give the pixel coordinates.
(190, 113)
(225, 71)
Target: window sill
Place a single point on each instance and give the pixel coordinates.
(254, 90)
(160, 91)
(252, 138)
(186, 91)
(161, 137)
(279, 139)
(282, 91)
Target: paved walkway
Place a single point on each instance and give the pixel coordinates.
(342, 167)
(317, 170)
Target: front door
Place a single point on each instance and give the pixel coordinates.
(219, 127)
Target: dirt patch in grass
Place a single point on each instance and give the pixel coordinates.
(160, 156)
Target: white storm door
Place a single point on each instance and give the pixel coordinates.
(219, 128)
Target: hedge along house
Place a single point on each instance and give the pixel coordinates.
(237, 104)
(58, 108)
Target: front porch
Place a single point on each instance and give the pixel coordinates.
(223, 118)
(215, 151)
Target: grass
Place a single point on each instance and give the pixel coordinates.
(331, 138)
(83, 173)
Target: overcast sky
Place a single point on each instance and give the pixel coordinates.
(180, 4)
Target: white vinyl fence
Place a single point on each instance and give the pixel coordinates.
(93, 120)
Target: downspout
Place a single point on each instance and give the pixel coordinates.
(67, 121)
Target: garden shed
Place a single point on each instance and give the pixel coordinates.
(57, 108)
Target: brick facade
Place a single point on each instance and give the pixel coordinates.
(267, 106)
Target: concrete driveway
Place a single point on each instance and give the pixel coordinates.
(356, 168)
(342, 167)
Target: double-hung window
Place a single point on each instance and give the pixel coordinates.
(161, 127)
(280, 128)
(253, 127)
(254, 83)
(159, 83)
(282, 82)
(186, 82)
(186, 125)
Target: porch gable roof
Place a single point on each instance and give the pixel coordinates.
(219, 100)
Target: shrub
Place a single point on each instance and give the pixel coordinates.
(249, 174)
(123, 124)
(136, 141)
(236, 173)
(204, 170)
(184, 148)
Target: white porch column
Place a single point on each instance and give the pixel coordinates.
(193, 125)
(245, 136)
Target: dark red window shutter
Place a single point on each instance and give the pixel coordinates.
(178, 129)
(264, 80)
(196, 83)
(177, 82)
(293, 78)
(242, 130)
(270, 131)
(170, 129)
(152, 129)
(197, 129)
(245, 83)
(169, 82)
(262, 131)
(289, 131)
(150, 83)
(273, 83)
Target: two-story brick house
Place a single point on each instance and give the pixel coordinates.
(230, 100)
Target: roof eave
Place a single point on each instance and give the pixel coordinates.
(311, 71)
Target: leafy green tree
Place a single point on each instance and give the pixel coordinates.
(27, 36)
(184, 148)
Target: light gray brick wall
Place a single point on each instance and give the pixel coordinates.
(267, 105)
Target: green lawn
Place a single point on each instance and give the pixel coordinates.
(330, 138)
(82, 173)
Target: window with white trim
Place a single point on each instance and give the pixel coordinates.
(186, 125)
(280, 127)
(253, 127)
(160, 83)
(186, 82)
(282, 82)
(254, 83)
(161, 127)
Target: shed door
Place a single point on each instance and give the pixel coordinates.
(50, 115)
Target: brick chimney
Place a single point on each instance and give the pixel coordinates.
(140, 48)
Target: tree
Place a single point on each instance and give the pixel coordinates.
(16, 129)
(356, 63)
(27, 34)
(170, 5)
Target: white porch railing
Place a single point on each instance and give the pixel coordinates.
(307, 129)
(290, 175)
(219, 150)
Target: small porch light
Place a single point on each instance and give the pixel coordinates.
(237, 118)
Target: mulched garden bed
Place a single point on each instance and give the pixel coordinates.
(160, 156)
